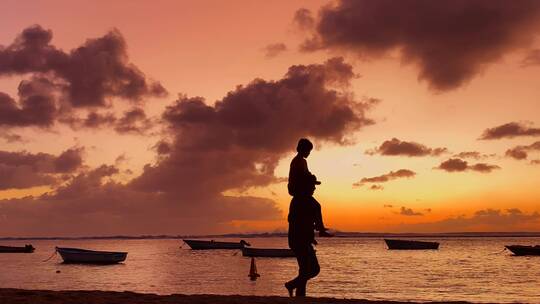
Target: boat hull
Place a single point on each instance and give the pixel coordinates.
(13, 249)
(268, 252)
(524, 250)
(75, 255)
(410, 245)
(207, 245)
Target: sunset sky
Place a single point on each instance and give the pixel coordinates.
(181, 117)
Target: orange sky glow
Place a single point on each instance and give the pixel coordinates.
(209, 48)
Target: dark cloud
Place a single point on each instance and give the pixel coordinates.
(532, 58)
(97, 120)
(512, 219)
(35, 106)
(89, 77)
(21, 177)
(401, 173)
(376, 187)
(396, 147)
(483, 167)
(304, 19)
(10, 137)
(93, 73)
(274, 49)
(522, 152)
(450, 41)
(454, 165)
(409, 212)
(94, 204)
(163, 148)
(69, 161)
(517, 153)
(120, 159)
(473, 154)
(246, 133)
(19, 170)
(134, 121)
(535, 162)
(388, 206)
(510, 130)
(459, 165)
(209, 150)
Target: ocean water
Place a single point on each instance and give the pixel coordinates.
(471, 269)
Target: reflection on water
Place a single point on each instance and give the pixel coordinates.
(472, 269)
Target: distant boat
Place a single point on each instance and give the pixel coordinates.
(524, 250)
(410, 245)
(14, 249)
(268, 252)
(202, 245)
(75, 255)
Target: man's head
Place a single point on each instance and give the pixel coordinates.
(304, 147)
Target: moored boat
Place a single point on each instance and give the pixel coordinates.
(268, 252)
(15, 249)
(76, 255)
(410, 245)
(524, 250)
(203, 245)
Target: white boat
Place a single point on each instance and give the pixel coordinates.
(202, 244)
(268, 252)
(76, 255)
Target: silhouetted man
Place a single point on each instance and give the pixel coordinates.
(304, 217)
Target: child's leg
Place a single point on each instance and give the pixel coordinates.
(319, 225)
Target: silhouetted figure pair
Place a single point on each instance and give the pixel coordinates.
(304, 217)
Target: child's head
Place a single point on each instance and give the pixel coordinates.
(304, 147)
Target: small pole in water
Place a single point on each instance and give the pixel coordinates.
(253, 275)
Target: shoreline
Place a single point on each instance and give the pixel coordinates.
(21, 296)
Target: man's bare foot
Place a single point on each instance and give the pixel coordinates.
(290, 289)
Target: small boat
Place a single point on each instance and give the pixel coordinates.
(76, 255)
(268, 252)
(13, 249)
(410, 245)
(201, 244)
(524, 250)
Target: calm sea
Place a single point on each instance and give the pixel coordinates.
(471, 269)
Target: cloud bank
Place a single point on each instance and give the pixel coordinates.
(20, 170)
(274, 49)
(509, 130)
(233, 145)
(522, 152)
(508, 220)
(88, 77)
(409, 212)
(392, 175)
(447, 57)
(459, 165)
(396, 147)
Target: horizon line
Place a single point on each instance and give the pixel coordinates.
(338, 234)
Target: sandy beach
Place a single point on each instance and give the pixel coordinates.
(21, 296)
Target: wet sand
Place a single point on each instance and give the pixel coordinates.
(20, 296)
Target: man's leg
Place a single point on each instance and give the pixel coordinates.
(310, 269)
(314, 268)
(304, 270)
